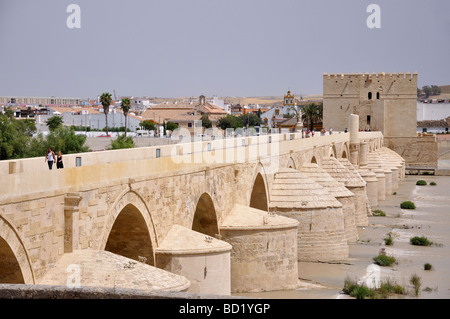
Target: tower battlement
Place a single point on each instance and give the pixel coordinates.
(370, 76)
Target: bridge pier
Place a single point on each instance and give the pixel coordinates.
(264, 253)
(342, 194)
(321, 230)
(202, 259)
(71, 222)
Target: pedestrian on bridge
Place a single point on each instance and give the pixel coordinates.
(50, 158)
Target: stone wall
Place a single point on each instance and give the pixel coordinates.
(417, 151)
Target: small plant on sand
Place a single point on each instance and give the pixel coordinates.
(407, 205)
(433, 183)
(384, 260)
(416, 282)
(387, 287)
(420, 241)
(427, 266)
(378, 212)
(361, 291)
(394, 193)
(388, 240)
(421, 183)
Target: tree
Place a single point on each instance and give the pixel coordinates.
(54, 122)
(121, 142)
(229, 121)
(17, 141)
(435, 90)
(296, 111)
(312, 113)
(65, 140)
(10, 138)
(206, 122)
(148, 125)
(427, 90)
(171, 126)
(106, 100)
(126, 105)
(419, 92)
(249, 120)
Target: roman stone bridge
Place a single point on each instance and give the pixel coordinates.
(221, 213)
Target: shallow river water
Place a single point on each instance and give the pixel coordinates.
(431, 219)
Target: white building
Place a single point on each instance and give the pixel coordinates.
(433, 111)
(275, 114)
(90, 118)
(221, 103)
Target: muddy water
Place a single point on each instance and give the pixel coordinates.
(431, 218)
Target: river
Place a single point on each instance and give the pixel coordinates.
(431, 218)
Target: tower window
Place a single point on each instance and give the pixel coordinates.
(369, 95)
(378, 95)
(368, 119)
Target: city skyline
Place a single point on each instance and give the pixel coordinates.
(224, 48)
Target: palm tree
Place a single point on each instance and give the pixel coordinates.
(312, 113)
(125, 106)
(106, 100)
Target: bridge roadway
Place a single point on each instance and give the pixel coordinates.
(126, 201)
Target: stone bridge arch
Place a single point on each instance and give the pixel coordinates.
(343, 151)
(259, 196)
(332, 151)
(15, 265)
(291, 163)
(129, 230)
(205, 216)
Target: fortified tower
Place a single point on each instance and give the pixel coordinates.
(384, 102)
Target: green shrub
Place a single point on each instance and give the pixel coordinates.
(378, 212)
(358, 291)
(427, 266)
(387, 287)
(407, 205)
(349, 285)
(389, 240)
(433, 184)
(416, 282)
(362, 292)
(121, 142)
(420, 241)
(394, 193)
(421, 183)
(384, 260)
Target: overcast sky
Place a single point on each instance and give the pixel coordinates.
(174, 48)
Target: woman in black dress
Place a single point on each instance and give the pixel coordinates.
(59, 161)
